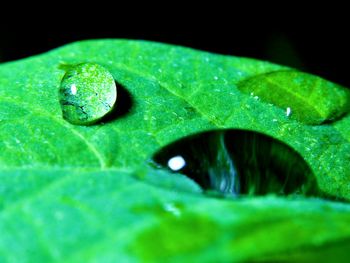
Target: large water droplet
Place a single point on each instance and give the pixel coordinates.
(304, 97)
(239, 162)
(87, 93)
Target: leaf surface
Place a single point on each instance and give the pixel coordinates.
(86, 193)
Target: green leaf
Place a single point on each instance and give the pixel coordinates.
(86, 193)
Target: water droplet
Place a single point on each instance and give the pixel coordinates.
(87, 93)
(239, 162)
(313, 99)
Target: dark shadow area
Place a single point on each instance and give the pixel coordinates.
(122, 106)
(313, 41)
(338, 118)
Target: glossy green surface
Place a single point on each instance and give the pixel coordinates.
(78, 193)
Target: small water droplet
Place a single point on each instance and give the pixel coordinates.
(216, 77)
(239, 162)
(87, 93)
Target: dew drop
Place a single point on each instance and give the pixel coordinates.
(87, 93)
(239, 162)
(313, 100)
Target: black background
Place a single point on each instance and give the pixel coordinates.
(311, 39)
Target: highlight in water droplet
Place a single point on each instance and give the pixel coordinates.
(87, 93)
(171, 208)
(288, 111)
(176, 163)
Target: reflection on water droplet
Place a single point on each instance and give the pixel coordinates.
(312, 99)
(288, 111)
(176, 163)
(87, 93)
(171, 208)
(73, 89)
(239, 162)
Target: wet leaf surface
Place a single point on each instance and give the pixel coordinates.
(87, 193)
